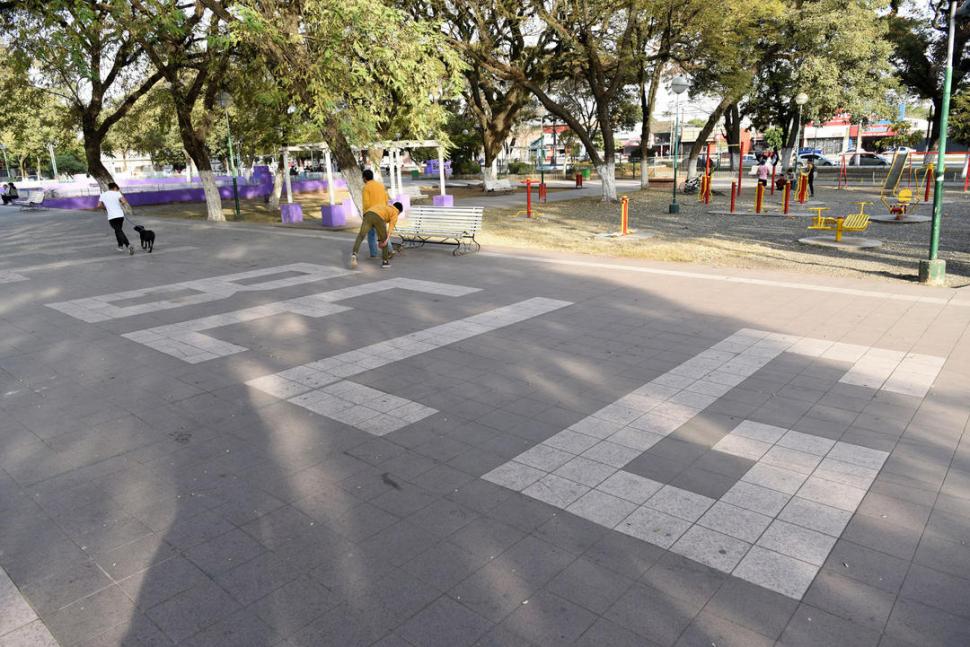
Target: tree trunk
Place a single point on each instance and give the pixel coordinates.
(607, 172)
(489, 173)
(732, 133)
(213, 201)
(274, 196)
(648, 98)
(92, 156)
(789, 147)
(701, 140)
(347, 161)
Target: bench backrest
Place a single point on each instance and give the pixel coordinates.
(35, 197)
(445, 219)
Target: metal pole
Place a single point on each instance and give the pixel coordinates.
(286, 176)
(542, 151)
(441, 169)
(235, 185)
(933, 270)
(330, 191)
(674, 207)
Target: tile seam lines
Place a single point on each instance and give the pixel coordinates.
(893, 296)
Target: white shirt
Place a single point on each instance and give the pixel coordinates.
(112, 202)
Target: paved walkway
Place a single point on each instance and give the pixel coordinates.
(237, 441)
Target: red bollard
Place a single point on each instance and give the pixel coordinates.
(773, 179)
(579, 180)
(930, 178)
(543, 192)
(759, 196)
(787, 197)
(528, 198)
(734, 189)
(707, 193)
(802, 188)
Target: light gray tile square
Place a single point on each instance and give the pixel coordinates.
(728, 519)
(798, 542)
(774, 478)
(556, 490)
(585, 471)
(711, 548)
(759, 431)
(806, 443)
(776, 572)
(604, 509)
(742, 446)
(544, 457)
(277, 386)
(635, 438)
(846, 473)
(596, 427)
(571, 441)
(653, 526)
(791, 459)
(631, 487)
(809, 514)
(837, 495)
(514, 476)
(862, 456)
(611, 454)
(680, 503)
(756, 498)
(381, 424)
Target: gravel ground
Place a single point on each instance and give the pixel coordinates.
(698, 235)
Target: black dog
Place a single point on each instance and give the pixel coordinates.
(147, 238)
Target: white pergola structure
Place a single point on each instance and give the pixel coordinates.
(395, 148)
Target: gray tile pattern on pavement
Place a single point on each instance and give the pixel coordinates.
(146, 500)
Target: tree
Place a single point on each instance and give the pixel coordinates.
(79, 53)
(918, 34)
(480, 28)
(835, 52)
(350, 66)
(903, 135)
(188, 46)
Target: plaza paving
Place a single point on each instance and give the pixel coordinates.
(237, 441)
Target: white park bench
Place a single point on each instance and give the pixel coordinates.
(34, 200)
(444, 225)
(498, 185)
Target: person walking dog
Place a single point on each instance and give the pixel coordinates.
(114, 203)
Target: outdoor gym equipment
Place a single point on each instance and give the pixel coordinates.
(529, 211)
(734, 192)
(759, 196)
(897, 201)
(802, 187)
(786, 198)
(929, 177)
(839, 224)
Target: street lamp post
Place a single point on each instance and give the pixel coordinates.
(679, 85)
(932, 270)
(800, 100)
(225, 100)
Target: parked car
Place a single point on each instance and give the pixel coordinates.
(865, 159)
(889, 153)
(817, 159)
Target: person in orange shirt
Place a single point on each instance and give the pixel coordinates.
(381, 219)
(374, 194)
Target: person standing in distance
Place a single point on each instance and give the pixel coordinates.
(115, 204)
(374, 195)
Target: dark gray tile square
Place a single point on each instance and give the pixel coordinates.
(918, 624)
(225, 552)
(589, 585)
(294, 605)
(709, 629)
(850, 599)
(446, 623)
(549, 620)
(810, 627)
(652, 614)
(752, 606)
(191, 611)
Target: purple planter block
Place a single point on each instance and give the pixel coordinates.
(291, 213)
(335, 216)
(443, 200)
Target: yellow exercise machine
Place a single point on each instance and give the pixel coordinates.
(897, 201)
(853, 222)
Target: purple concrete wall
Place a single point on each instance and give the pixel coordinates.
(189, 194)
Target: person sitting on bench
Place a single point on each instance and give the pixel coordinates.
(382, 218)
(9, 193)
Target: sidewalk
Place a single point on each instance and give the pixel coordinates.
(238, 441)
